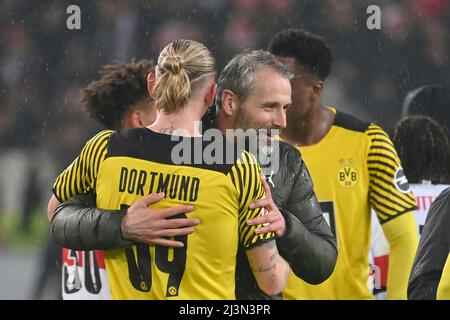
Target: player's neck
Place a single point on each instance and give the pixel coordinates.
(224, 122)
(186, 122)
(309, 129)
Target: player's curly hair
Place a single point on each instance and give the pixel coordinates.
(423, 148)
(121, 87)
(310, 51)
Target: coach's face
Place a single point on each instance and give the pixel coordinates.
(265, 107)
(303, 93)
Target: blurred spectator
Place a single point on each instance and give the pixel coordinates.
(431, 101)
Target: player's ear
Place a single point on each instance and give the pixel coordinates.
(210, 95)
(318, 88)
(229, 102)
(151, 81)
(133, 119)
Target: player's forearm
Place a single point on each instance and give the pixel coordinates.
(311, 255)
(403, 239)
(308, 245)
(53, 203)
(271, 271)
(78, 227)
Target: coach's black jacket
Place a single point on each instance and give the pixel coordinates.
(308, 245)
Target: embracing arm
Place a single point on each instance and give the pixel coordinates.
(79, 225)
(304, 237)
(308, 245)
(53, 203)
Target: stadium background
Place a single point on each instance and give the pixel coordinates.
(43, 66)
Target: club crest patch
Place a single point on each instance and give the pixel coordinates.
(348, 176)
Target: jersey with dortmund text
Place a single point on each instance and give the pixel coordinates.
(122, 167)
(354, 167)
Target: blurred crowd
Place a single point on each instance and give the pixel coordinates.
(43, 65)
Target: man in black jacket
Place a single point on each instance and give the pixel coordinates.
(246, 99)
(242, 102)
(430, 276)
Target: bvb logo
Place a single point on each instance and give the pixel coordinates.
(172, 291)
(347, 176)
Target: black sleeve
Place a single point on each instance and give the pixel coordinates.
(308, 246)
(433, 250)
(79, 225)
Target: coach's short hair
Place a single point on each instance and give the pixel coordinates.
(121, 87)
(310, 51)
(239, 74)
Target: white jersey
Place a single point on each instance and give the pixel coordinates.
(425, 194)
(84, 275)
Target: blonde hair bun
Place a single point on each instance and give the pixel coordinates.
(172, 64)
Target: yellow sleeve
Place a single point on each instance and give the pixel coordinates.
(403, 239)
(389, 191)
(81, 175)
(443, 291)
(246, 177)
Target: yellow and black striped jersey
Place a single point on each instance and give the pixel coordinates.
(122, 167)
(81, 175)
(354, 167)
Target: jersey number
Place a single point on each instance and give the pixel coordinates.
(92, 282)
(329, 214)
(167, 260)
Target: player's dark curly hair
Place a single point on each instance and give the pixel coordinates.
(120, 87)
(310, 51)
(423, 148)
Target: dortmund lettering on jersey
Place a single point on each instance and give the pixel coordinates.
(137, 162)
(354, 167)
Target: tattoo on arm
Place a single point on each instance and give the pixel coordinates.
(273, 260)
